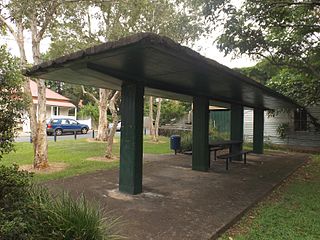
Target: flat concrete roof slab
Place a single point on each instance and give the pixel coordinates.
(178, 203)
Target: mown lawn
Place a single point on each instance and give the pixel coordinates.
(291, 212)
(75, 153)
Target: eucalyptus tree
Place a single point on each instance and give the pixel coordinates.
(98, 21)
(21, 19)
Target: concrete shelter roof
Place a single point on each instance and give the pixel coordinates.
(166, 68)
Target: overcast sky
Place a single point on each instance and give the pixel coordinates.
(204, 46)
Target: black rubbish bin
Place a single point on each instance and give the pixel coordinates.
(175, 143)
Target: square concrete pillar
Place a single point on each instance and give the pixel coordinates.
(236, 132)
(131, 141)
(258, 128)
(200, 134)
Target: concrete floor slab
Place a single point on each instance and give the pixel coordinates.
(178, 203)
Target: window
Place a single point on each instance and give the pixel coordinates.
(56, 111)
(300, 120)
(55, 121)
(65, 121)
(73, 122)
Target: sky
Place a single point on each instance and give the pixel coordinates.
(205, 46)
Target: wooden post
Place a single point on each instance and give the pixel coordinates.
(131, 141)
(200, 134)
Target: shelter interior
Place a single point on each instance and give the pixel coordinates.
(148, 64)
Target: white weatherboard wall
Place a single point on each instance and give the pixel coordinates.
(309, 138)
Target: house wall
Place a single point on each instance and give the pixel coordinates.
(64, 111)
(309, 138)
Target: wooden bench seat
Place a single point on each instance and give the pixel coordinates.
(228, 157)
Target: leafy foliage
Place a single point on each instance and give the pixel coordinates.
(298, 85)
(282, 130)
(90, 110)
(29, 212)
(286, 33)
(172, 111)
(91, 22)
(14, 202)
(11, 99)
(186, 141)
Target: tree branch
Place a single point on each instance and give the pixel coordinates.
(90, 95)
(48, 18)
(10, 28)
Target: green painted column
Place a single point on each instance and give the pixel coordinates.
(131, 142)
(258, 127)
(236, 131)
(200, 134)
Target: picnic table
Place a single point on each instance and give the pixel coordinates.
(219, 145)
(225, 143)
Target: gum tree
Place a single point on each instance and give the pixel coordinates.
(100, 21)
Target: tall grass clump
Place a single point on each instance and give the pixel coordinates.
(31, 212)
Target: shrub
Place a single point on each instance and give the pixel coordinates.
(168, 132)
(186, 141)
(67, 218)
(30, 212)
(14, 202)
(12, 99)
(282, 130)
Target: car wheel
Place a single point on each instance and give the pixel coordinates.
(84, 130)
(58, 132)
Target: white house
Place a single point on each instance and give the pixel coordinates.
(57, 106)
(296, 125)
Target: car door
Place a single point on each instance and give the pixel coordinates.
(75, 126)
(65, 125)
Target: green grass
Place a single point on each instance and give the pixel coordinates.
(291, 212)
(75, 154)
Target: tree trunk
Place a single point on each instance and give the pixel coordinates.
(30, 107)
(103, 121)
(31, 112)
(151, 127)
(157, 122)
(115, 120)
(40, 136)
(41, 150)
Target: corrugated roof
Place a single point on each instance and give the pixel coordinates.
(166, 69)
(49, 93)
(56, 103)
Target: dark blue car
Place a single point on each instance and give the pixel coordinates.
(64, 125)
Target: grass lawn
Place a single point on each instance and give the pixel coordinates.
(75, 154)
(291, 212)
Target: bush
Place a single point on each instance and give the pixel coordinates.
(215, 135)
(168, 132)
(186, 136)
(186, 141)
(30, 212)
(12, 99)
(14, 203)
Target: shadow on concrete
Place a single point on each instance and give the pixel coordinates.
(178, 203)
